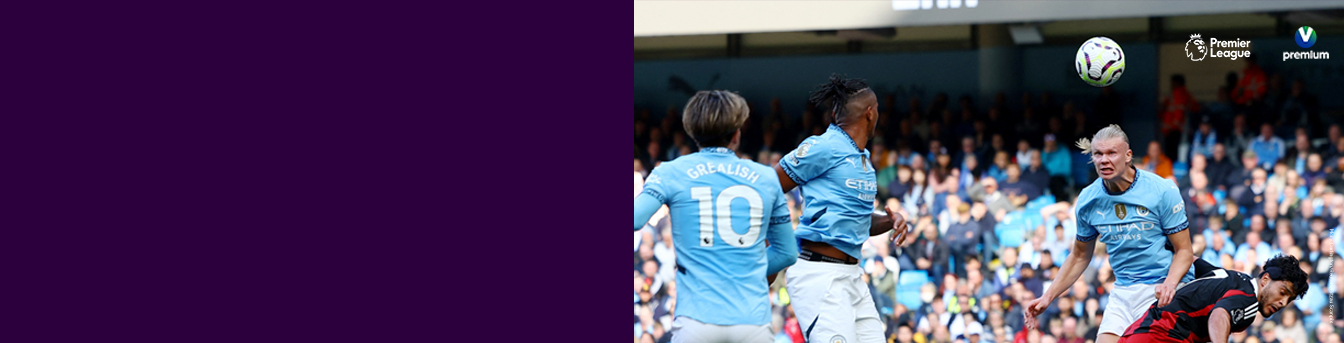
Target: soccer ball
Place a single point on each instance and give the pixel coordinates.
(1100, 61)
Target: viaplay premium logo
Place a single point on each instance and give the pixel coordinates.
(1196, 50)
(1305, 37)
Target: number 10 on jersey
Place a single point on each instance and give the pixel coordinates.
(708, 211)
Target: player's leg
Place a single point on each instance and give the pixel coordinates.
(751, 334)
(868, 325)
(685, 329)
(1127, 304)
(824, 313)
(1145, 337)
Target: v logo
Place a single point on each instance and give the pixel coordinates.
(1305, 32)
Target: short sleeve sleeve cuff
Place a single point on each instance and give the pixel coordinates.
(654, 193)
(1086, 239)
(1181, 227)
(793, 175)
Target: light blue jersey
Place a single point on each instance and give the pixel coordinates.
(839, 186)
(720, 206)
(1134, 224)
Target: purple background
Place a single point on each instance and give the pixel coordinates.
(321, 172)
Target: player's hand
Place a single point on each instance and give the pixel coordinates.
(1034, 308)
(902, 235)
(1165, 291)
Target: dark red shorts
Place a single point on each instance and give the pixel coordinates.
(1149, 337)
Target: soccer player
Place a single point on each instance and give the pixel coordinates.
(1220, 302)
(1141, 218)
(839, 186)
(720, 205)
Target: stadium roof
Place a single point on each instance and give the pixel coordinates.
(672, 18)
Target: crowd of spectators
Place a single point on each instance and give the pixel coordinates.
(990, 191)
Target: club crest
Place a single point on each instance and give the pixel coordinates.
(802, 149)
(1142, 211)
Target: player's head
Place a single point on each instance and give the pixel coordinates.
(1110, 151)
(851, 101)
(1281, 282)
(714, 118)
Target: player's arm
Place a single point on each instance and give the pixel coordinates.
(1174, 225)
(650, 199)
(1220, 325)
(1073, 268)
(783, 246)
(1085, 242)
(645, 206)
(885, 222)
(881, 224)
(782, 254)
(783, 250)
(1220, 318)
(892, 221)
(785, 183)
(808, 161)
(1182, 257)
(1069, 273)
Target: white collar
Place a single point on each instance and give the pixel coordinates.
(1255, 283)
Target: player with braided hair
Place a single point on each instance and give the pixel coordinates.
(839, 187)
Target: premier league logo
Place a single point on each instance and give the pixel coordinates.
(1195, 49)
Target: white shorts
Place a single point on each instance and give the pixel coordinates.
(833, 304)
(685, 329)
(1127, 304)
